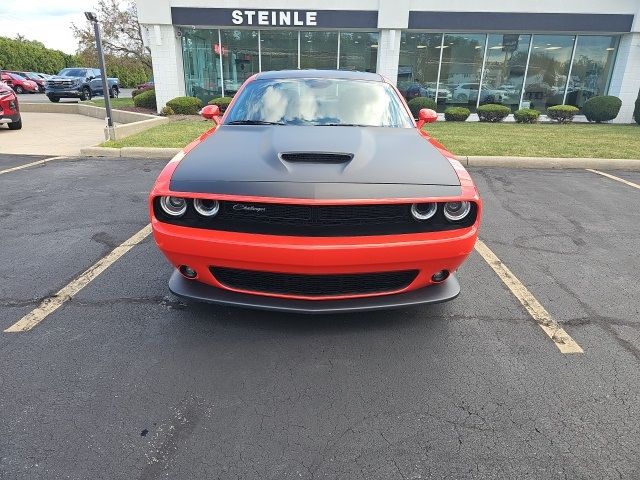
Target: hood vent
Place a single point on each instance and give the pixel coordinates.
(316, 157)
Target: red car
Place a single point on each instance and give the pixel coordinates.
(19, 83)
(34, 77)
(317, 193)
(9, 108)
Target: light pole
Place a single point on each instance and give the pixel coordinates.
(103, 69)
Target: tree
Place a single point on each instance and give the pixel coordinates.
(121, 32)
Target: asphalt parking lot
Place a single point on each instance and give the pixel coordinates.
(125, 381)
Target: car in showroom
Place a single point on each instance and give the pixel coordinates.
(316, 192)
(19, 83)
(9, 108)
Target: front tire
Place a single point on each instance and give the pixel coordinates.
(15, 125)
(86, 94)
(54, 99)
(114, 92)
(19, 89)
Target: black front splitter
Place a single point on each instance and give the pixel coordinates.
(193, 290)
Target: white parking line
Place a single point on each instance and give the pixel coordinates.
(613, 177)
(563, 341)
(51, 304)
(32, 164)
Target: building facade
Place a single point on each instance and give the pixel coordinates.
(520, 54)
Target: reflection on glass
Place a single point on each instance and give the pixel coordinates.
(548, 71)
(592, 67)
(201, 64)
(319, 50)
(358, 51)
(239, 58)
(461, 68)
(279, 49)
(504, 69)
(418, 67)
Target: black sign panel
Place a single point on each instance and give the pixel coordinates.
(265, 18)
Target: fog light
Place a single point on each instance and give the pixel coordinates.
(187, 271)
(440, 276)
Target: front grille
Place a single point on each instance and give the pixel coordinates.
(312, 157)
(314, 285)
(315, 220)
(60, 83)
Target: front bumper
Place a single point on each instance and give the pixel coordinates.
(63, 92)
(441, 292)
(9, 118)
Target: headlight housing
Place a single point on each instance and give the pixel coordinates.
(423, 211)
(456, 211)
(206, 208)
(173, 206)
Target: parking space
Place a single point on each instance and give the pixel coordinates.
(127, 381)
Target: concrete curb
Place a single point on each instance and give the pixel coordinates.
(130, 152)
(550, 163)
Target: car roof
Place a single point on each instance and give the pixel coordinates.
(309, 73)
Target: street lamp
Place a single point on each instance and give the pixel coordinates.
(103, 70)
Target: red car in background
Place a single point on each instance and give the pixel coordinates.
(34, 77)
(19, 83)
(9, 110)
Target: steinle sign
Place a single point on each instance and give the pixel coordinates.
(275, 18)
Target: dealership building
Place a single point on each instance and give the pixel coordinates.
(460, 52)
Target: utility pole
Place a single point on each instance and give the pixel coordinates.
(103, 69)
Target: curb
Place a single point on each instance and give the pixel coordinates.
(130, 152)
(550, 163)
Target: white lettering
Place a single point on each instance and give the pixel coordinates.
(296, 19)
(285, 18)
(249, 14)
(236, 17)
(274, 18)
(311, 19)
(263, 17)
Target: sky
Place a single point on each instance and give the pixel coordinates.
(48, 21)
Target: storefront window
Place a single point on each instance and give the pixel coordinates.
(591, 70)
(239, 58)
(358, 51)
(504, 69)
(548, 71)
(279, 49)
(202, 76)
(418, 67)
(460, 71)
(319, 50)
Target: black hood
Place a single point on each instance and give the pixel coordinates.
(379, 163)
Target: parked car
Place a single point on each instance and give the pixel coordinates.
(416, 90)
(34, 77)
(82, 83)
(468, 92)
(9, 108)
(146, 85)
(347, 204)
(19, 83)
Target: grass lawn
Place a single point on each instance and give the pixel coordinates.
(175, 134)
(115, 102)
(540, 140)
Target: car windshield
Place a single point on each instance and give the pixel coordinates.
(71, 72)
(16, 76)
(319, 101)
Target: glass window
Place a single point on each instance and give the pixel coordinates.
(418, 67)
(461, 68)
(319, 101)
(358, 51)
(239, 58)
(592, 66)
(319, 50)
(200, 54)
(548, 71)
(504, 69)
(279, 49)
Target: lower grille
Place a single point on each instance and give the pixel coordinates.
(314, 285)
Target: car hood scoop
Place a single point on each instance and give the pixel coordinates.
(316, 162)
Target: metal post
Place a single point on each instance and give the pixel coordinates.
(484, 62)
(526, 71)
(573, 56)
(439, 68)
(103, 72)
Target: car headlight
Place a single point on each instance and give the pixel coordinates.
(206, 208)
(423, 211)
(455, 211)
(174, 206)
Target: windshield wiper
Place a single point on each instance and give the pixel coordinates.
(342, 125)
(253, 122)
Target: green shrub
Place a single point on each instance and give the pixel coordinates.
(636, 111)
(418, 103)
(167, 111)
(562, 113)
(493, 112)
(146, 100)
(185, 105)
(602, 108)
(526, 115)
(222, 102)
(456, 114)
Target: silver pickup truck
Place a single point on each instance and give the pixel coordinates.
(82, 83)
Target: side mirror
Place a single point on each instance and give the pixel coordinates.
(211, 112)
(426, 115)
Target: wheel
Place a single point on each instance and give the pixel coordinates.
(86, 94)
(54, 99)
(15, 125)
(19, 89)
(114, 92)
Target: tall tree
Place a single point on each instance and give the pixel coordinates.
(121, 32)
